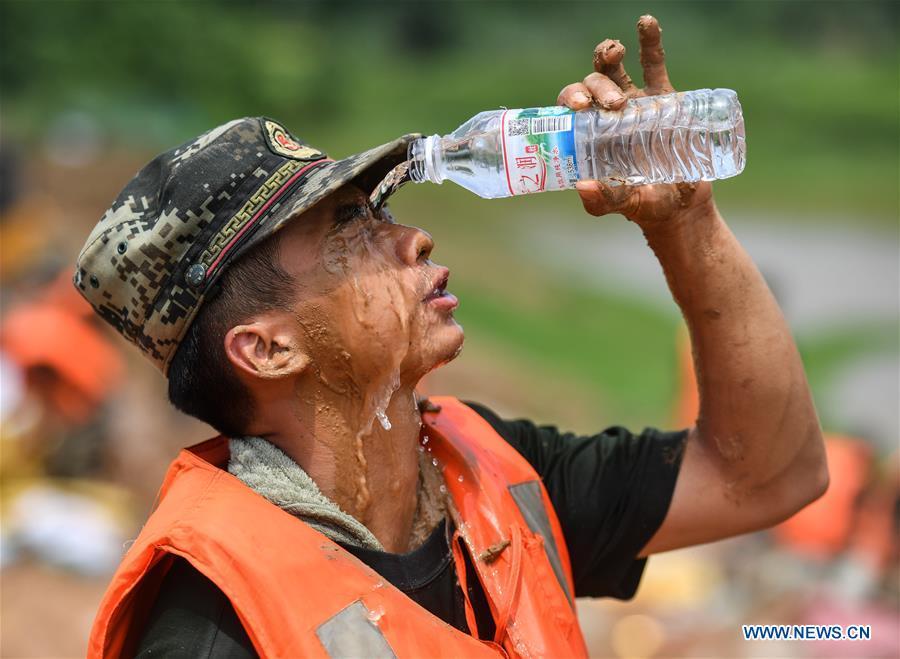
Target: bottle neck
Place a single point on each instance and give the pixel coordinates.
(424, 157)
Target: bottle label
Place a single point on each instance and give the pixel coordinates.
(539, 149)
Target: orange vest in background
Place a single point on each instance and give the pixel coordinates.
(297, 593)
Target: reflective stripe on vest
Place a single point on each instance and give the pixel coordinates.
(531, 505)
(351, 633)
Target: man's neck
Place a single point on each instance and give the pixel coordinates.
(370, 471)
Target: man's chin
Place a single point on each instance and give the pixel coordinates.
(457, 349)
(446, 344)
(455, 340)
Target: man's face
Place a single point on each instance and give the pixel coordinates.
(371, 307)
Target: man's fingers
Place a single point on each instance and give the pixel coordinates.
(575, 96)
(608, 56)
(605, 91)
(653, 57)
(601, 199)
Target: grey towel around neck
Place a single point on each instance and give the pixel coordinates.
(268, 470)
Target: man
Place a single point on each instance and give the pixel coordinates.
(342, 516)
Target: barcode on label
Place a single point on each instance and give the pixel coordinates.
(557, 124)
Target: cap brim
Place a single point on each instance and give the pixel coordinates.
(366, 169)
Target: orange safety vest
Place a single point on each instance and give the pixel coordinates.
(297, 593)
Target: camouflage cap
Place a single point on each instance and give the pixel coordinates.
(171, 233)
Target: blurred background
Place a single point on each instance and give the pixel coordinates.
(568, 318)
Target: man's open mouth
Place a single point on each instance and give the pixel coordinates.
(438, 294)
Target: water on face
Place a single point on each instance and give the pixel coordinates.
(375, 335)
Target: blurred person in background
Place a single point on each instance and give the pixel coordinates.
(337, 513)
(60, 370)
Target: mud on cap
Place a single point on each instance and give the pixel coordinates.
(171, 233)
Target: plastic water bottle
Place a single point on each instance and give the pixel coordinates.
(685, 136)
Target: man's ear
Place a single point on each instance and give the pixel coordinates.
(266, 348)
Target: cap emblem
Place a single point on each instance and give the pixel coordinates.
(284, 144)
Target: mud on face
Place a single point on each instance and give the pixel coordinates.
(366, 307)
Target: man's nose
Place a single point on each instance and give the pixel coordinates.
(414, 245)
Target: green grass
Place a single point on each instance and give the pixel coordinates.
(622, 351)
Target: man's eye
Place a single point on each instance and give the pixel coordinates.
(348, 214)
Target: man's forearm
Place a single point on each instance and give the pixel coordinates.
(757, 420)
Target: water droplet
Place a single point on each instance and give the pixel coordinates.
(443, 489)
(424, 439)
(375, 615)
(421, 449)
(383, 420)
(460, 478)
(434, 462)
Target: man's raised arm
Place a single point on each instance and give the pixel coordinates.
(756, 455)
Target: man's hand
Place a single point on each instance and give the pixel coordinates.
(609, 87)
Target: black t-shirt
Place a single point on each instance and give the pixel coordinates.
(610, 491)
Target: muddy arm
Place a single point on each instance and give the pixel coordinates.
(756, 454)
